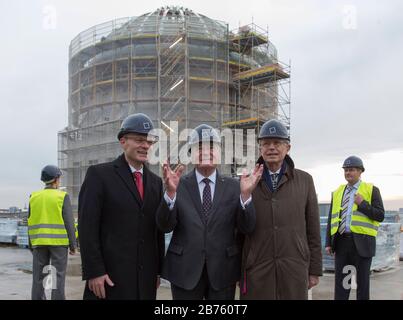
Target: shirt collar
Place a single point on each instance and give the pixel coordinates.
(357, 185)
(278, 171)
(200, 177)
(133, 169)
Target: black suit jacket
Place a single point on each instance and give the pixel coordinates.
(118, 234)
(195, 242)
(365, 244)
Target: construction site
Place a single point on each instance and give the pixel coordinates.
(171, 64)
(174, 64)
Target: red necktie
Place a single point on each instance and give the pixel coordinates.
(138, 179)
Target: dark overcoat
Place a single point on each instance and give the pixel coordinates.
(118, 233)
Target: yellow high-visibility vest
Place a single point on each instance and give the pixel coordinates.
(360, 223)
(45, 223)
(76, 229)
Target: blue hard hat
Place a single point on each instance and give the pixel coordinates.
(50, 173)
(273, 129)
(204, 133)
(353, 162)
(138, 123)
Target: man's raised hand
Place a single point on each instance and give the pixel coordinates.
(248, 183)
(171, 177)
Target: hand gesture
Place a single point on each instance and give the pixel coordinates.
(248, 183)
(171, 177)
(358, 199)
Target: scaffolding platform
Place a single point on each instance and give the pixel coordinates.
(248, 39)
(244, 123)
(269, 73)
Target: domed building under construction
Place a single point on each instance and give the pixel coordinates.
(172, 64)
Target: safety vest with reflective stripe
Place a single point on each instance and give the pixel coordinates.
(45, 223)
(360, 223)
(76, 229)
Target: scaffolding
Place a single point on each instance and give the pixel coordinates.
(260, 82)
(172, 64)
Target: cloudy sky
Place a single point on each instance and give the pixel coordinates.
(346, 71)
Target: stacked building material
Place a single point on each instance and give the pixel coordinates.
(8, 230)
(387, 247)
(401, 235)
(22, 236)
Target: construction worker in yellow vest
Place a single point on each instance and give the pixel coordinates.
(51, 233)
(355, 214)
(76, 232)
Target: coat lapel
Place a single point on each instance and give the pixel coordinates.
(147, 184)
(123, 170)
(218, 192)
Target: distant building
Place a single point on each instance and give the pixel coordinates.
(324, 209)
(14, 212)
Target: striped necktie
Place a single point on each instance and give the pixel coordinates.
(274, 178)
(344, 209)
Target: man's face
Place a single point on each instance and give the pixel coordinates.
(206, 155)
(136, 147)
(352, 175)
(274, 151)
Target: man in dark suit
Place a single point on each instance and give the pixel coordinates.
(355, 214)
(121, 247)
(205, 211)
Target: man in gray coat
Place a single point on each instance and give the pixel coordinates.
(206, 211)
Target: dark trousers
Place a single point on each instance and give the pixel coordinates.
(43, 257)
(203, 290)
(346, 255)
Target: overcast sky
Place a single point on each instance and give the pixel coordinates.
(346, 82)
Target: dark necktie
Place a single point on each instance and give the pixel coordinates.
(274, 178)
(206, 197)
(138, 179)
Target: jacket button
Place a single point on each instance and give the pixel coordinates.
(275, 227)
(140, 267)
(141, 241)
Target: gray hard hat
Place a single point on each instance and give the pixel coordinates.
(273, 129)
(50, 173)
(353, 162)
(138, 123)
(204, 133)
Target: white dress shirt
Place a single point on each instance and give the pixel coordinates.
(199, 178)
(133, 169)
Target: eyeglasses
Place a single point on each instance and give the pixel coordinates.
(150, 141)
(275, 143)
